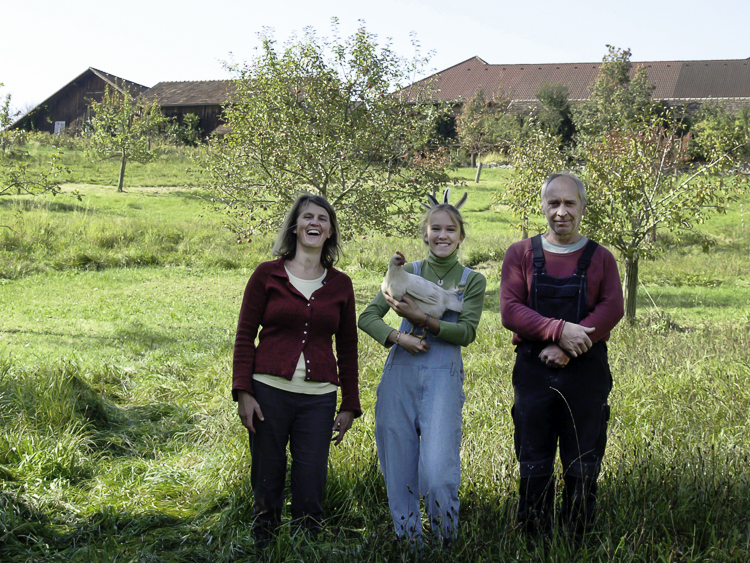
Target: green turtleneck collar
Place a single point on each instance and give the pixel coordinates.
(441, 266)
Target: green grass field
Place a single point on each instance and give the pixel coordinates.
(119, 440)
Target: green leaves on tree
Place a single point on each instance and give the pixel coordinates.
(122, 126)
(328, 117)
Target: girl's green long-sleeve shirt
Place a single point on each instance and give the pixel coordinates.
(463, 331)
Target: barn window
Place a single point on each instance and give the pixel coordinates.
(59, 127)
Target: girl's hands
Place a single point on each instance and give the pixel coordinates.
(406, 308)
(411, 344)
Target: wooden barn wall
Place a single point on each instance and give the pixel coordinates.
(209, 116)
(70, 105)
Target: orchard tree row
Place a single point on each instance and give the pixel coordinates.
(121, 126)
(490, 123)
(346, 119)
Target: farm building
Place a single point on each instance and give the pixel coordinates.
(203, 98)
(685, 83)
(69, 106)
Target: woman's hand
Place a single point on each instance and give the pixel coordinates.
(247, 407)
(342, 423)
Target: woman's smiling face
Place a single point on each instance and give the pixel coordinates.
(443, 235)
(313, 226)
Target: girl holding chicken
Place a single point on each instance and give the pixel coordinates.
(286, 384)
(420, 394)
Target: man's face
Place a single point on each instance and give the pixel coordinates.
(564, 210)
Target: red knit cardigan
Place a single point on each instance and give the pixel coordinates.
(292, 324)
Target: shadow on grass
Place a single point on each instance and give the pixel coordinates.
(648, 511)
(189, 193)
(104, 535)
(684, 298)
(134, 334)
(54, 206)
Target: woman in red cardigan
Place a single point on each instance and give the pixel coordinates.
(285, 386)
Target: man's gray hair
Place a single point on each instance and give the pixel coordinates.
(576, 179)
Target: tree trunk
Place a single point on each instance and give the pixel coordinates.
(473, 160)
(479, 172)
(525, 228)
(121, 180)
(631, 287)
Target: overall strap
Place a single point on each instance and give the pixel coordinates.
(417, 268)
(585, 260)
(464, 279)
(536, 247)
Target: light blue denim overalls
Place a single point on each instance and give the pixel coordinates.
(418, 430)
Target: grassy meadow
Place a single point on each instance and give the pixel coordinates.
(119, 440)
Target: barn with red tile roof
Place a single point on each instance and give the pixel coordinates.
(687, 83)
(675, 82)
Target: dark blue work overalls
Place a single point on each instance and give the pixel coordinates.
(566, 405)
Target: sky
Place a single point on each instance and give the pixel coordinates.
(44, 44)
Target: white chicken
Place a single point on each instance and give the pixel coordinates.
(429, 297)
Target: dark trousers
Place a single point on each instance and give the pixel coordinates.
(566, 406)
(305, 422)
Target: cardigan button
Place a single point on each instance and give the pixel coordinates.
(303, 342)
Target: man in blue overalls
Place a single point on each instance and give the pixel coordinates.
(561, 296)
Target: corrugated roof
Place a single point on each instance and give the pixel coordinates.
(191, 93)
(521, 82)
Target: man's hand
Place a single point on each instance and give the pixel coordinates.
(247, 406)
(342, 423)
(575, 339)
(554, 357)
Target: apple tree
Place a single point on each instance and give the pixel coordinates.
(330, 117)
(20, 174)
(122, 127)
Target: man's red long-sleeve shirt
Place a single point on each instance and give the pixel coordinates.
(603, 288)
